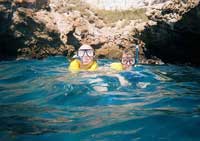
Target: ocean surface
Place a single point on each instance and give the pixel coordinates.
(41, 100)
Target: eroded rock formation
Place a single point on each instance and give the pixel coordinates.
(175, 35)
(38, 28)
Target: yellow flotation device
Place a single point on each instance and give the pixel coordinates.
(75, 66)
(116, 66)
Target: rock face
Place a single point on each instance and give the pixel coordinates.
(176, 35)
(39, 28)
(54, 28)
(22, 34)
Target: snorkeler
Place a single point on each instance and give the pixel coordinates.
(84, 60)
(127, 61)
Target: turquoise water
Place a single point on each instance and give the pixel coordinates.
(40, 100)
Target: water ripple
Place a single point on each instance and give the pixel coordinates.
(41, 100)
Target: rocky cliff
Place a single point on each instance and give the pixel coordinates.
(176, 34)
(29, 29)
(38, 28)
(23, 34)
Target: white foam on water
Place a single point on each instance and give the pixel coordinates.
(143, 85)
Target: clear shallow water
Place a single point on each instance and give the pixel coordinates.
(40, 100)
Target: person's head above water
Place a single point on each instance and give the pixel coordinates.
(84, 59)
(127, 59)
(86, 54)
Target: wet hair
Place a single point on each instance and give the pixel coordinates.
(128, 52)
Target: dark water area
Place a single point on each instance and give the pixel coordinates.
(41, 100)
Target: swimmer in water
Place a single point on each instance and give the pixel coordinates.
(84, 60)
(127, 61)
